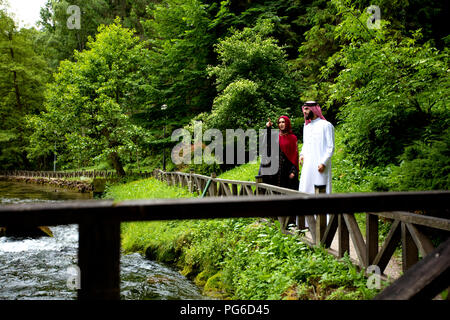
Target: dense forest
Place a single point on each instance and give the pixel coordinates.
(89, 88)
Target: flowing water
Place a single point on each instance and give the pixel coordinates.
(42, 268)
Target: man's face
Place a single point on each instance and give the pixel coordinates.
(308, 113)
(281, 124)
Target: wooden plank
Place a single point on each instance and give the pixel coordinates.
(357, 238)
(222, 191)
(280, 189)
(424, 280)
(167, 209)
(422, 242)
(248, 183)
(371, 237)
(234, 189)
(283, 223)
(300, 221)
(321, 226)
(389, 246)
(248, 190)
(343, 237)
(219, 191)
(330, 231)
(418, 219)
(198, 184)
(312, 227)
(410, 254)
(99, 260)
(213, 189)
(226, 189)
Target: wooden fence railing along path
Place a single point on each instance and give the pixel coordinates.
(71, 174)
(406, 228)
(99, 227)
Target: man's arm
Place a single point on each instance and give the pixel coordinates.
(301, 157)
(329, 145)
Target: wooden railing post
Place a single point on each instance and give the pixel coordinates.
(410, 253)
(321, 222)
(258, 179)
(191, 183)
(213, 186)
(371, 237)
(234, 189)
(99, 260)
(343, 237)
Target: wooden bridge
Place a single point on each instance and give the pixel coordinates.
(99, 227)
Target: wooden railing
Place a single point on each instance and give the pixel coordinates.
(99, 226)
(71, 174)
(405, 228)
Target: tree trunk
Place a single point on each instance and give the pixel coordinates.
(117, 164)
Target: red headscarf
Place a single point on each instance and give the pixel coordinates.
(288, 142)
(315, 108)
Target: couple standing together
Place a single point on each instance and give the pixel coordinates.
(315, 156)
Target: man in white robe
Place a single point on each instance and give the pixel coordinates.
(317, 150)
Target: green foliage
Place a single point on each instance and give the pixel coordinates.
(144, 189)
(23, 74)
(252, 79)
(425, 166)
(239, 258)
(90, 105)
(181, 46)
(245, 172)
(59, 42)
(389, 90)
(318, 46)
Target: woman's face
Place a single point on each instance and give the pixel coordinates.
(282, 124)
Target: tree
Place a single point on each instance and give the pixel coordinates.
(252, 79)
(182, 44)
(91, 104)
(392, 91)
(319, 45)
(23, 74)
(61, 38)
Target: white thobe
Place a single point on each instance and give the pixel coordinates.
(318, 148)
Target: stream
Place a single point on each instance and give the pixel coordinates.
(41, 268)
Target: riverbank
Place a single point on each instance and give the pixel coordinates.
(80, 186)
(237, 258)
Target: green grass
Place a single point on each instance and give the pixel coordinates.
(149, 188)
(138, 236)
(245, 172)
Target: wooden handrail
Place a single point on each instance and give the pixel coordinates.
(406, 227)
(424, 280)
(69, 174)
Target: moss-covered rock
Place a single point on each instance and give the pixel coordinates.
(201, 279)
(215, 287)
